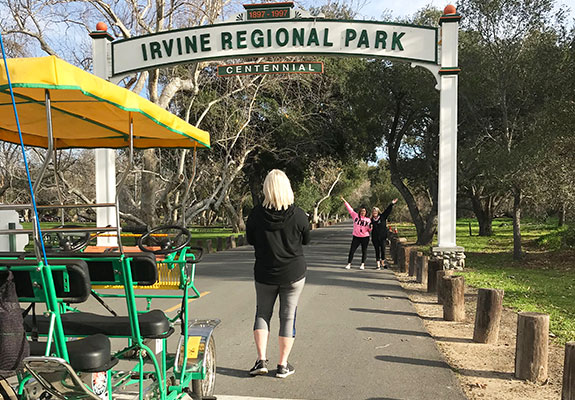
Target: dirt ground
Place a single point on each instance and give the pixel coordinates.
(485, 371)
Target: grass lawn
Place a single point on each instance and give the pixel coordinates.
(544, 281)
(197, 233)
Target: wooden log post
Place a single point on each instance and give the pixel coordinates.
(413, 254)
(532, 347)
(209, 247)
(439, 279)
(433, 266)
(404, 257)
(241, 240)
(488, 315)
(220, 244)
(454, 298)
(421, 269)
(231, 242)
(392, 248)
(400, 242)
(400, 256)
(200, 243)
(568, 392)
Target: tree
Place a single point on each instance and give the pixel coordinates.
(508, 39)
(398, 105)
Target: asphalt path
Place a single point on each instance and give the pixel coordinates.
(358, 335)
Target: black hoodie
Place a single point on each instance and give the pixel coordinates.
(277, 237)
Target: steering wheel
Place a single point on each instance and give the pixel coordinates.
(169, 239)
(66, 241)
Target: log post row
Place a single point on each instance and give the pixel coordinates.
(454, 298)
(532, 347)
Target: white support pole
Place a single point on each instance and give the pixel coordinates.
(447, 190)
(105, 158)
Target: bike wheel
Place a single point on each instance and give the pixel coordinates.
(205, 387)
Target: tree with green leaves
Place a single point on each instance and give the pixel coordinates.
(503, 97)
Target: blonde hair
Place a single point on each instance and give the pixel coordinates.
(376, 209)
(278, 193)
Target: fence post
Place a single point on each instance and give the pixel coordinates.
(231, 242)
(404, 257)
(421, 268)
(439, 279)
(220, 243)
(568, 392)
(488, 315)
(433, 266)
(209, 246)
(532, 347)
(454, 299)
(413, 254)
(241, 240)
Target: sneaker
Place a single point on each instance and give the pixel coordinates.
(348, 266)
(378, 267)
(362, 266)
(259, 368)
(286, 371)
(385, 265)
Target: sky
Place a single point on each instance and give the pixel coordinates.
(400, 8)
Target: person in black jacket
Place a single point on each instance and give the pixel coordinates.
(379, 233)
(277, 230)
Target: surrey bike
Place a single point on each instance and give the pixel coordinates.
(75, 351)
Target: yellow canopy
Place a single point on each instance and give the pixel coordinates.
(87, 111)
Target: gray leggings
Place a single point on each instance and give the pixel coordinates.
(266, 296)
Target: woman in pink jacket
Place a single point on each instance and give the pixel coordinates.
(361, 230)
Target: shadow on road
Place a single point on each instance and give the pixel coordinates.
(414, 361)
(390, 312)
(393, 331)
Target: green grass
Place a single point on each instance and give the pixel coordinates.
(197, 233)
(544, 281)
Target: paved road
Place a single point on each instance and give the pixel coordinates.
(359, 336)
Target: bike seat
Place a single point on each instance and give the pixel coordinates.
(89, 354)
(153, 324)
(76, 290)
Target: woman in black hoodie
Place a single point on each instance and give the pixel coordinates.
(277, 230)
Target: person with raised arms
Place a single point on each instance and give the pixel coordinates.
(361, 230)
(379, 233)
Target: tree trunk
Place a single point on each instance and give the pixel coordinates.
(517, 224)
(532, 347)
(562, 214)
(149, 190)
(483, 210)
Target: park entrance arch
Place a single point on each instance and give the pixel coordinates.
(276, 29)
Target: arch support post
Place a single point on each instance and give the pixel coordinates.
(452, 255)
(105, 159)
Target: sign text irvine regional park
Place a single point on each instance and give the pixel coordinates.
(275, 37)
